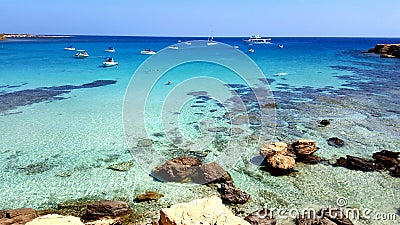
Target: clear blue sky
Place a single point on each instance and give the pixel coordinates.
(200, 17)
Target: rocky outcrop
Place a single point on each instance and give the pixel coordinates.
(17, 216)
(106, 208)
(52, 219)
(386, 50)
(206, 211)
(324, 216)
(324, 123)
(383, 160)
(3, 37)
(280, 157)
(148, 196)
(190, 169)
(232, 195)
(261, 217)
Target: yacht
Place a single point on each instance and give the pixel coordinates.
(280, 46)
(173, 47)
(109, 62)
(147, 51)
(250, 50)
(188, 43)
(70, 48)
(211, 41)
(81, 54)
(110, 49)
(236, 46)
(257, 39)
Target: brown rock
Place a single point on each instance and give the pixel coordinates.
(232, 195)
(396, 172)
(281, 162)
(387, 158)
(304, 147)
(17, 216)
(106, 208)
(357, 163)
(212, 173)
(273, 148)
(174, 172)
(386, 50)
(261, 217)
(187, 160)
(148, 196)
(336, 142)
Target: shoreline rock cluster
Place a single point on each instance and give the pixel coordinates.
(382, 161)
(280, 158)
(386, 50)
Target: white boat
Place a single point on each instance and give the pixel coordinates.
(110, 49)
(147, 51)
(81, 54)
(280, 46)
(70, 48)
(257, 39)
(250, 50)
(188, 43)
(173, 47)
(211, 41)
(236, 46)
(109, 62)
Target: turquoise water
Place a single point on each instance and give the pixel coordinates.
(58, 147)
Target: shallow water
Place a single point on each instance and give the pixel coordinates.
(58, 148)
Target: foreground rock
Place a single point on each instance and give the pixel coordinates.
(232, 195)
(335, 142)
(17, 216)
(386, 50)
(106, 208)
(304, 147)
(324, 216)
(190, 169)
(52, 219)
(383, 160)
(261, 217)
(206, 211)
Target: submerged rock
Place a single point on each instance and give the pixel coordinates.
(357, 163)
(336, 142)
(388, 159)
(122, 166)
(106, 208)
(148, 196)
(261, 217)
(232, 195)
(206, 211)
(191, 169)
(324, 123)
(17, 216)
(52, 219)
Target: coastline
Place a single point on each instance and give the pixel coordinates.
(35, 36)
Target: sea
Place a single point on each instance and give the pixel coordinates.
(73, 130)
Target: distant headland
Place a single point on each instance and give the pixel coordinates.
(386, 50)
(5, 36)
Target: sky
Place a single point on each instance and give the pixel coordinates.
(280, 18)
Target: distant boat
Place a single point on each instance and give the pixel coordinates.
(250, 50)
(147, 51)
(81, 54)
(236, 46)
(110, 49)
(188, 43)
(280, 74)
(211, 41)
(70, 48)
(280, 46)
(109, 62)
(173, 47)
(179, 41)
(257, 39)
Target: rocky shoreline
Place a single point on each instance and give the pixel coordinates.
(5, 36)
(386, 50)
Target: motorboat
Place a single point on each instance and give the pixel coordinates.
(81, 54)
(188, 43)
(211, 41)
(109, 62)
(70, 48)
(173, 47)
(147, 51)
(257, 39)
(280, 46)
(110, 49)
(250, 50)
(236, 46)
